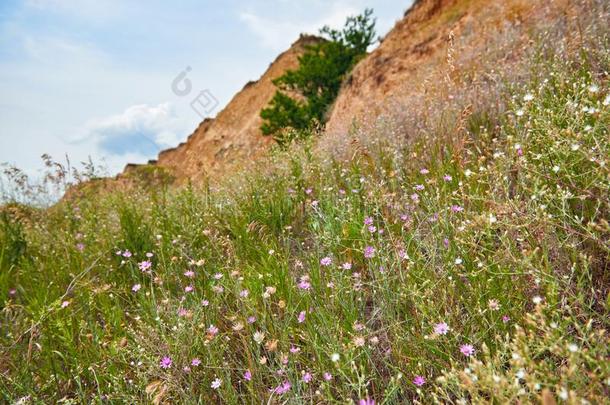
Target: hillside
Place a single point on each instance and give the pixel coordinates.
(442, 49)
(448, 243)
(233, 136)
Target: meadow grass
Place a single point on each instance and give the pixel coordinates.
(472, 269)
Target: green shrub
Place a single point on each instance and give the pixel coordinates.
(306, 93)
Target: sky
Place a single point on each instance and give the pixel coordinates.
(118, 80)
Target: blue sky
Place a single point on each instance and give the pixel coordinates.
(93, 77)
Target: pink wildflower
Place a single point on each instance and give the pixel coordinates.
(467, 350)
(165, 362)
(145, 265)
(441, 328)
(213, 330)
(304, 285)
(419, 380)
(282, 388)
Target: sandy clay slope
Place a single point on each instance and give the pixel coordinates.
(233, 136)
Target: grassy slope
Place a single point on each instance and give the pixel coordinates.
(503, 237)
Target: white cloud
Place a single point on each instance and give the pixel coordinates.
(140, 129)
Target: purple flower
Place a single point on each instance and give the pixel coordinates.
(346, 266)
(326, 261)
(301, 317)
(366, 401)
(80, 246)
(369, 252)
(165, 362)
(456, 208)
(304, 285)
(189, 274)
(368, 221)
(189, 288)
(282, 388)
(195, 362)
(467, 350)
(419, 187)
(307, 377)
(328, 376)
(424, 171)
(441, 328)
(145, 265)
(247, 375)
(127, 253)
(136, 287)
(447, 177)
(505, 318)
(419, 380)
(251, 319)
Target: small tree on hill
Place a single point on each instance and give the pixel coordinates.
(305, 94)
